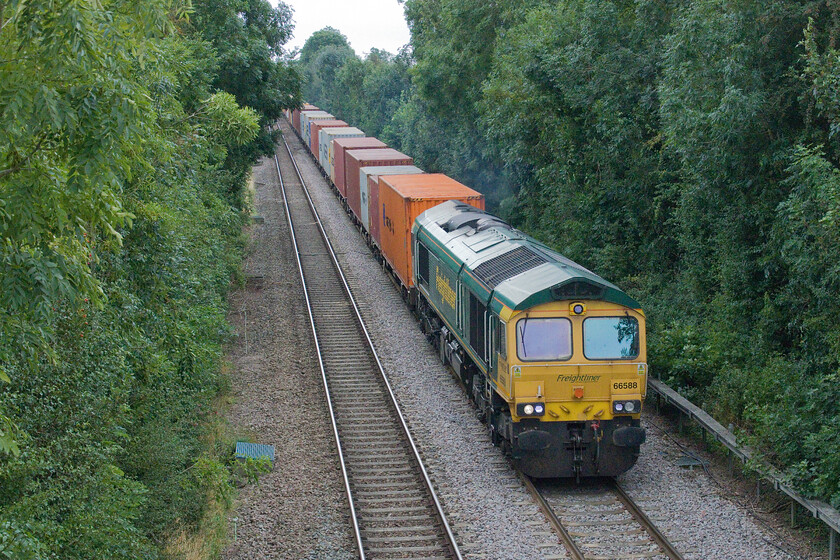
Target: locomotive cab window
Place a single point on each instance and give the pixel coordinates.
(423, 264)
(611, 338)
(544, 340)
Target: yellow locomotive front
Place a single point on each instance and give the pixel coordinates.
(574, 377)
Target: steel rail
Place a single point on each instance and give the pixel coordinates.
(574, 551)
(568, 541)
(645, 521)
(415, 451)
(356, 532)
(656, 536)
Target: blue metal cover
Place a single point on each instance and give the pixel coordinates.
(245, 450)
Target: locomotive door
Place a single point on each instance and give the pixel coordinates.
(490, 344)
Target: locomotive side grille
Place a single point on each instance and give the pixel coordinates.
(517, 261)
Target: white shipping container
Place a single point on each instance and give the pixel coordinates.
(304, 122)
(325, 138)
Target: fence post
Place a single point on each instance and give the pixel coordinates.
(832, 545)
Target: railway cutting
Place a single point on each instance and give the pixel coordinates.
(394, 508)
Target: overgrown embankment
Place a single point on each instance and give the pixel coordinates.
(129, 129)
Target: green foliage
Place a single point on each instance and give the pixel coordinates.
(227, 123)
(248, 37)
(686, 150)
(122, 165)
(320, 40)
(321, 58)
(17, 543)
(252, 469)
(73, 115)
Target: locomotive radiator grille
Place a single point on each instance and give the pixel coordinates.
(508, 265)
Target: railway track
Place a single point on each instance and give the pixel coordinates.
(394, 509)
(599, 521)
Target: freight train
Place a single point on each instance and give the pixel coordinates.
(552, 355)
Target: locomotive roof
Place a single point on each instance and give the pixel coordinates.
(506, 266)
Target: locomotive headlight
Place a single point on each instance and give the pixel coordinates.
(539, 409)
(619, 406)
(528, 409)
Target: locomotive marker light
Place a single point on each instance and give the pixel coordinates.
(577, 308)
(627, 407)
(530, 409)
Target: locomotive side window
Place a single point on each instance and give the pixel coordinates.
(423, 264)
(477, 311)
(501, 339)
(611, 338)
(544, 340)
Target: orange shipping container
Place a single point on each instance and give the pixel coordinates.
(403, 198)
(318, 125)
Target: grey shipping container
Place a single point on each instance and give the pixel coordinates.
(327, 135)
(304, 121)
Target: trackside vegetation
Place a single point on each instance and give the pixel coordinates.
(687, 150)
(128, 130)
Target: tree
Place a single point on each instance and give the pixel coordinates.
(118, 246)
(326, 37)
(248, 36)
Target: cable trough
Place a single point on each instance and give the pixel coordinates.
(395, 512)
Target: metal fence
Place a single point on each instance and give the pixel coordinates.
(819, 510)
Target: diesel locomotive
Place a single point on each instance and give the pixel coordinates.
(553, 356)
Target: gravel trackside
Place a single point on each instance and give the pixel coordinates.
(479, 490)
(299, 510)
